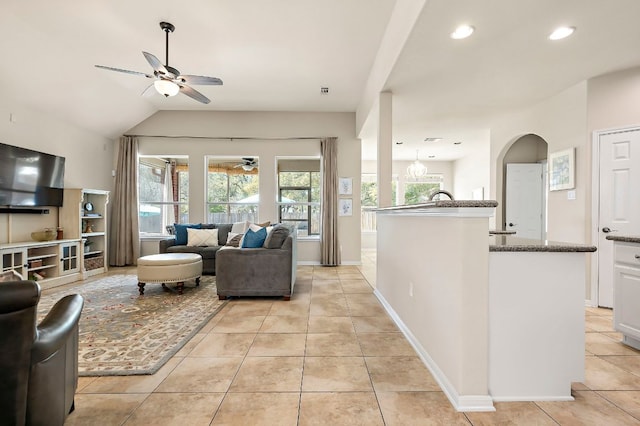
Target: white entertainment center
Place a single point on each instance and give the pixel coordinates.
(83, 222)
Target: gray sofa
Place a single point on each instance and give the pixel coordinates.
(208, 253)
(266, 271)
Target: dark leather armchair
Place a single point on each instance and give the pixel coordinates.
(38, 363)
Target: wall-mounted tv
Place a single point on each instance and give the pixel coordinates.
(30, 178)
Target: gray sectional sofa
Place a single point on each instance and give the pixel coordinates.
(266, 271)
(176, 244)
(269, 270)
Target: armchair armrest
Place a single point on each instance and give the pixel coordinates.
(166, 243)
(55, 329)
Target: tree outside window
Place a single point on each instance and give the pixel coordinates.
(299, 195)
(232, 191)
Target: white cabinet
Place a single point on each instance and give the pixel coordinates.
(70, 258)
(51, 263)
(84, 215)
(626, 299)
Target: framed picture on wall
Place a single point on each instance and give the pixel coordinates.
(345, 186)
(562, 170)
(345, 207)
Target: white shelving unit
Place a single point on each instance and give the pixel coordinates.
(84, 216)
(51, 263)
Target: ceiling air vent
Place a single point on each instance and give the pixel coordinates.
(324, 90)
(432, 139)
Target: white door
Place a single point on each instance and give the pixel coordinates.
(619, 204)
(524, 200)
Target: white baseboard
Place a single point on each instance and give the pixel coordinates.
(459, 402)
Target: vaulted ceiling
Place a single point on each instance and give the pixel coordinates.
(276, 55)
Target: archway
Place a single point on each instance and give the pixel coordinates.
(526, 149)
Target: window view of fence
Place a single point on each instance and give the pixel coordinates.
(232, 189)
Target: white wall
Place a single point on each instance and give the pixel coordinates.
(473, 171)
(86, 155)
(268, 131)
(562, 122)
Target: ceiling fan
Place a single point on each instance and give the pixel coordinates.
(247, 164)
(168, 80)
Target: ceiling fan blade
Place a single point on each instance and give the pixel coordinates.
(148, 92)
(124, 71)
(200, 80)
(194, 94)
(155, 63)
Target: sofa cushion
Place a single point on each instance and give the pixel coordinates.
(254, 239)
(181, 231)
(276, 237)
(233, 240)
(202, 237)
(223, 232)
(205, 252)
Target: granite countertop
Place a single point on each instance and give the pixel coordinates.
(624, 238)
(437, 204)
(511, 243)
(500, 232)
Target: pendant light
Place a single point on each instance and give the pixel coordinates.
(416, 169)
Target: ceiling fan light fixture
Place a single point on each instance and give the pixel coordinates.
(166, 87)
(463, 31)
(561, 32)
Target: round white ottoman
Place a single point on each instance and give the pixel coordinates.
(169, 268)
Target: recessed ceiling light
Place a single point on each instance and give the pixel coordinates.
(463, 31)
(561, 32)
(432, 139)
(432, 156)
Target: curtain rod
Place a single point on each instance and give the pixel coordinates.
(227, 138)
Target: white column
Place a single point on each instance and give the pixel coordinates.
(385, 144)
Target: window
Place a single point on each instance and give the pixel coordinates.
(419, 192)
(369, 199)
(232, 189)
(299, 195)
(163, 192)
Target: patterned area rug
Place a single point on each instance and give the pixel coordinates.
(123, 333)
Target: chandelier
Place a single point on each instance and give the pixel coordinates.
(416, 169)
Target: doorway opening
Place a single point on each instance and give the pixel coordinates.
(524, 187)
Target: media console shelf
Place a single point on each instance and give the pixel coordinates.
(84, 216)
(51, 263)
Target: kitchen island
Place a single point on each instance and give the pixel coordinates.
(475, 307)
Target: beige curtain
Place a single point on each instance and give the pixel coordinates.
(329, 246)
(124, 247)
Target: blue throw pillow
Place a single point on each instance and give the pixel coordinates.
(181, 232)
(254, 239)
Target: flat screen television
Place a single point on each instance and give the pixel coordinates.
(30, 178)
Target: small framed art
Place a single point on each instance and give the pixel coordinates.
(562, 170)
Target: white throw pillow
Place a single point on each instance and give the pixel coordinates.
(240, 227)
(202, 237)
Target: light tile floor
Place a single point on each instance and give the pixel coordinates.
(332, 356)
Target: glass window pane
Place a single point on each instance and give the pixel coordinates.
(217, 188)
(294, 179)
(419, 192)
(297, 211)
(294, 195)
(150, 185)
(243, 186)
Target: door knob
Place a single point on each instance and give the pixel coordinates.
(606, 230)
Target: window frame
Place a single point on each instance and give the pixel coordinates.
(309, 204)
(212, 161)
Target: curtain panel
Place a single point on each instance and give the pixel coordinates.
(329, 245)
(124, 239)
